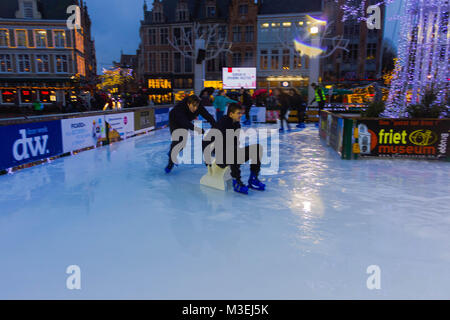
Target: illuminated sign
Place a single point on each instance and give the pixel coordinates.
(236, 78)
(159, 84)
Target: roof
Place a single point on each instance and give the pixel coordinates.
(289, 6)
(50, 9)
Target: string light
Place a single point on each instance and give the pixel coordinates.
(423, 55)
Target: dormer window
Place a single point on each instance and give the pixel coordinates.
(243, 9)
(182, 12)
(28, 10)
(210, 11)
(158, 13)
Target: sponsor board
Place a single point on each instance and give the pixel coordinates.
(121, 125)
(415, 139)
(161, 117)
(331, 129)
(144, 119)
(29, 142)
(80, 133)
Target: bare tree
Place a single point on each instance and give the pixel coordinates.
(214, 43)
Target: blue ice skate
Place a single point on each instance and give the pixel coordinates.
(301, 126)
(169, 167)
(254, 183)
(238, 186)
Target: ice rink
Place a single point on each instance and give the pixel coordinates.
(137, 233)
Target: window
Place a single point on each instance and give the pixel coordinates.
(249, 33)
(41, 38)
(42, 63)
(164, 62)
(177, 62)
(222, 60)
(21, 38)
(163, 35)
(152, 36)
(287, 24)
(27, 96)
(286, 59)
(275, 24)
(300, 23)
(237, 60)
(248, 59)
(152, 62)
(297, 61)
(222, 33)
(352, 53)
(23, 63)
(264, 25)
(236, 34)
(211, 11)
(177, 36)
(371, 51)
(263, 62)
(60, 39)
(5, 63)
(28, 9)
(274, 60)
(61, 64)
(211, 65)
(4, 38)
(188, 36)
(182, 15)
(187, 64)
(9, 96)
(243, 9)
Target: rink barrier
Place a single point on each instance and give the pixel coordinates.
(40, 139)
(361, 138)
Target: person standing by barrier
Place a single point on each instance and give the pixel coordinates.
(180, 117)
(283, 104)
(320, 97)
(220, 103)
(299, 104)
(247, 102)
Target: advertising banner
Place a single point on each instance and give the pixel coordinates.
(161, 117)
(236, 78)
(28, 142)
(414, 139)
(121, 125)
(80, 133)
(144, 119)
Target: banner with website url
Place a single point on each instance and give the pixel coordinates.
(403, 138)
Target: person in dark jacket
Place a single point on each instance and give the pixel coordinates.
(283, 104)
(247, 102)
(231, 122)
(299, 104)
(181, 117)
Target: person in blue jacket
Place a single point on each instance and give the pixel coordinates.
(220, 103)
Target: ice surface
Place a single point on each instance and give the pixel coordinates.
(137, 233)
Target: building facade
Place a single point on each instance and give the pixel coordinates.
(41, 59)
(362, 63)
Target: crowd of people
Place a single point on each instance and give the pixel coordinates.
(236, 104)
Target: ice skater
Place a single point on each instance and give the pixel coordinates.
(283, 104)
(231, 123)
(220, 103)
(181, 117)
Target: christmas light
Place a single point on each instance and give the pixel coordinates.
(423, 55)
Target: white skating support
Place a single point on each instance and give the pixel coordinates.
(217, 177)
